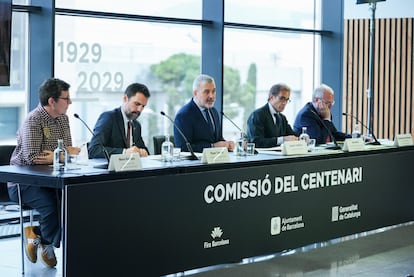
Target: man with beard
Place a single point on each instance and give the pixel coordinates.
(118, 130)
(199, 120)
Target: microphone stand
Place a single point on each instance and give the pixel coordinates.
(193, 155)
(106, 154)
(375, 142)
(335, 146)
(242, 133)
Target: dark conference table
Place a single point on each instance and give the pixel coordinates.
(173, 217)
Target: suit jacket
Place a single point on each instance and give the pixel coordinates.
(192, 123)
(309, 117)
(110, 131)
(261, 128)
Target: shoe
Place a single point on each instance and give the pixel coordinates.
(48, 255)
(32, 243)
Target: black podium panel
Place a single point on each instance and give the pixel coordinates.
(175, 222)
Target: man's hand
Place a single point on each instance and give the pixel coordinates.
(228, 144)
(45, 158)
(73, 150)
(290, 138)
(142, 152)
(324, 110)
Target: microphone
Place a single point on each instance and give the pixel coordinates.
(229, 119)
(243, 134)
(375, 142)
(193, 156)
(93, 134)
(334, 147)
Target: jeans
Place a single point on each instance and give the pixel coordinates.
(46, 201)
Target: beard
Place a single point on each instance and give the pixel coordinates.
(133, 115)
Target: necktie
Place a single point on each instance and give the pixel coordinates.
(128, 137)
(278, 122)
(208, 117)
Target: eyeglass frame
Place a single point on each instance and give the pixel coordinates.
(328, 102)
(284, 99)
(65, 98)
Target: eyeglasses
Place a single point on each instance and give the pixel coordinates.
(284, 99)
(328, 103)
(65, 98)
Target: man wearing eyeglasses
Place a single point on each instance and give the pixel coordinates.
(267, 126)
(36, 140)
(314, 115)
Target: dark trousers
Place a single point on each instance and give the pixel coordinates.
(46, 201)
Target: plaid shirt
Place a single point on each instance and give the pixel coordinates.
(40, 132)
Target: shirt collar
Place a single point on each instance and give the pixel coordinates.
(202, 109)
(271, 109)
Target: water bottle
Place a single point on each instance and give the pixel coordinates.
(304, 135)
(60, 157)
(167, 150)
(355, 132)
(241, 145)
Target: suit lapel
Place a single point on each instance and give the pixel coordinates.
(270, 121)
(135, 129)
(120, 126)
(206, 130)
(216, 125)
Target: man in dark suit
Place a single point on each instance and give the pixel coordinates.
(316, 117)
(199, 120)
(267, 126)
(118, 130)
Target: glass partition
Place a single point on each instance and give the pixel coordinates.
(101, 57)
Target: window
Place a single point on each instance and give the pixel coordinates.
(257, 57)
(101, 57)
(281, 13)
(171, 8)
(100, 53)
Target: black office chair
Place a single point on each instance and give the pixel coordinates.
(158, 140)
(5, 155)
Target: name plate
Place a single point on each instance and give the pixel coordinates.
(215, 155)
(125, 162)
(403, 140)
(298, 147)
(353, 144)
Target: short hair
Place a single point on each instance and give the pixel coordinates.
(276, 89)
(318, 92)
(202, 78)
(52, 87)
(135, 88)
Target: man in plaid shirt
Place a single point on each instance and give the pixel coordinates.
(36, 141)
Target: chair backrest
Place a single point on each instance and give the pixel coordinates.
(158, 140)
(5, 155)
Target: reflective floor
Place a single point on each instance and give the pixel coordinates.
(385, 252)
